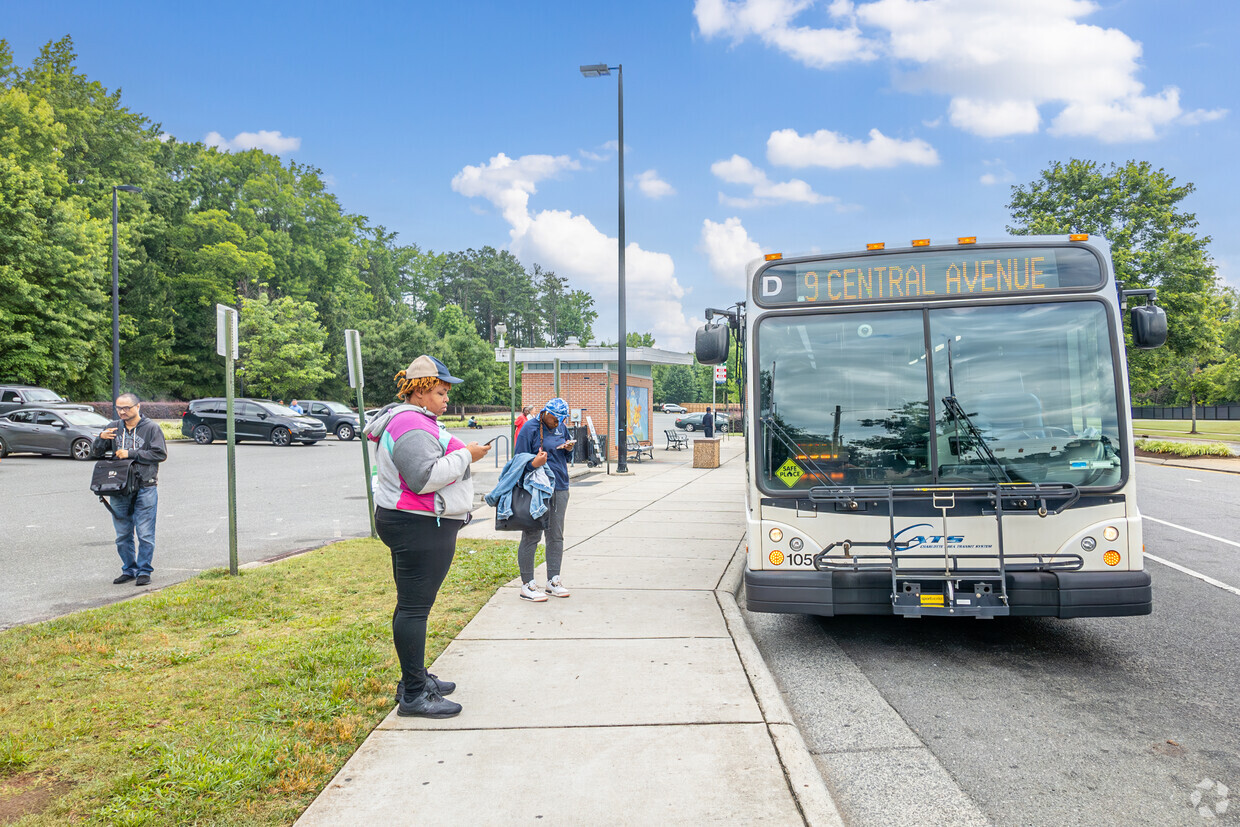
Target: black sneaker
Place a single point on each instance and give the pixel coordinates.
(444, 687)
(429, 704)
(124, 578)
(143, 580)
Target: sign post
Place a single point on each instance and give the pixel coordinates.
(721, 378)
(226, 346)
(353, 351)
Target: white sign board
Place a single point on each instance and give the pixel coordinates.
(353, 350)
(721, 374)
(226, 330)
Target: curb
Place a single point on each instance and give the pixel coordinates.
(1180, 462)
(805, 780)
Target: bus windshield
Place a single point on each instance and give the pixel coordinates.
(939, 396)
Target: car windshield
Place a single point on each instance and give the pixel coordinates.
(85, 419)
(336, 407)
(278, 410)
(1019, 393)
(40, 395)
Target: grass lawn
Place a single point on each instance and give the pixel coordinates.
(219, 700)
(1225, 430)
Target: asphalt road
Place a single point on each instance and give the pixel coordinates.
(1037, 721)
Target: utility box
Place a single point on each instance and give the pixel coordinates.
(705, 453)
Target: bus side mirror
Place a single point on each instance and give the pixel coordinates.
(711, 345)
(1149, 326)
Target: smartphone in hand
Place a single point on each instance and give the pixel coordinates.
(492, 439)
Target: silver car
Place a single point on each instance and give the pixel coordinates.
(50, 431)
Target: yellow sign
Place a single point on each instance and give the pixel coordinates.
(932, 600)
(790, 473)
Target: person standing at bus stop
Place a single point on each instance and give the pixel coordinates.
(424, 496)
(547, 439)
(708, 424)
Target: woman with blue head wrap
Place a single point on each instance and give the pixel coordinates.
(547, 438)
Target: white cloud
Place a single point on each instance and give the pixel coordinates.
(829, 149)
(728, 249)
(268, 141)
(740, 170)
(652, 186)
(573, 247)
(997, 62)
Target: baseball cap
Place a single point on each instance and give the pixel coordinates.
(430, 366)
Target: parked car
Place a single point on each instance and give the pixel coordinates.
(693, 422)
(13, 397)
(336, 418)
(206, 420)
(672, 407)
(49, 430)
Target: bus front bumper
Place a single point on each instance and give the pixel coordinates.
(1030, 593)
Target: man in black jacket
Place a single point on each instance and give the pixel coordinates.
(134, 436)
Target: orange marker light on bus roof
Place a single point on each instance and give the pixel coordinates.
(921, 242)
(774, 256)
(1079, 237)
(876, 245)
(967, 239)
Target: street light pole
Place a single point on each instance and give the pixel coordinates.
(116, 302)
(622, 392)
(501, 329)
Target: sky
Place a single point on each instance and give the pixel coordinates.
(750, 126)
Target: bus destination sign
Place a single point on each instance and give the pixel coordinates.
(928, 275)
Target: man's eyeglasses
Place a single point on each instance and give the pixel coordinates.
(120, 408)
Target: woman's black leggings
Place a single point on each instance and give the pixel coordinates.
(421, 555)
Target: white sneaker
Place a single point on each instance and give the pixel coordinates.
(530, 591)
(556, 589)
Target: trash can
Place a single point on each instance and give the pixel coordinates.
(581, 451)
(705, 453)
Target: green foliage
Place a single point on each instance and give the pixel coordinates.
(281, 347)
(1138, 209)
(1184, 449)
(674, 383)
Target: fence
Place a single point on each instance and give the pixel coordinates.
(1186, 412)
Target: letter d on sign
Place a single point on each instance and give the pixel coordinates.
(772, 285)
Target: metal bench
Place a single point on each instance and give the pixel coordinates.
(636, 449)
(676, 439)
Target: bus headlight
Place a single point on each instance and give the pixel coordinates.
(1111, 558)
(1111, 533)
(1089, 543)
(796, 544)
(776, 535)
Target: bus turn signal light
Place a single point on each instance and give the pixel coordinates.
(1111, 558)
(774, 256)
(876, 245)
(776, 557)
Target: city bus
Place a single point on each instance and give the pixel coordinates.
(940, 429)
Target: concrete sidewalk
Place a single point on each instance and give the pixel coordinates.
(639, 699)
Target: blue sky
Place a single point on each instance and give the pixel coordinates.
(750, 127)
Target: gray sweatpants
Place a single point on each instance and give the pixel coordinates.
(555, 540)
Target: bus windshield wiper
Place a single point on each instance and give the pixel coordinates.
(795, 449)
(956, 413)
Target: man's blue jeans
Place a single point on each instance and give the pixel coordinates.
(136, 514)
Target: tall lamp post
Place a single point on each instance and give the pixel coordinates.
(116, 301)
(622, 393)
(500, 330)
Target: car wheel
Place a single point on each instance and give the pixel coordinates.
(688, 426)
(281, 436)
(203, 435)
(4, 449)
(80, 449)
(345, 431)
(723, 429)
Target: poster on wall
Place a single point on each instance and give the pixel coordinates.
(638, 413)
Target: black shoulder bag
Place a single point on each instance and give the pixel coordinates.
(522, 500)
(115, 477)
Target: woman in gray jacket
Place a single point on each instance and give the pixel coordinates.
(423, 498)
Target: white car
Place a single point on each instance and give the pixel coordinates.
(671, 407)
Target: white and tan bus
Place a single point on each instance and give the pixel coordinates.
(941, 429)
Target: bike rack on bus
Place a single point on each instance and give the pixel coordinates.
(987, 596)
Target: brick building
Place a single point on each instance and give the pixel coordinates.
(584, 374)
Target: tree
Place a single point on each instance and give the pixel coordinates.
(674, 383)
(1137, 209)
(282, 347)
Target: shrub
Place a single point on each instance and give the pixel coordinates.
(1184, 449)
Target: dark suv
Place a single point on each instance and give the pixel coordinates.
(13, 397)
(336, 418)
(207, 420)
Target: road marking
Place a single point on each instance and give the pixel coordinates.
(1190, 479)
(1202, 577)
